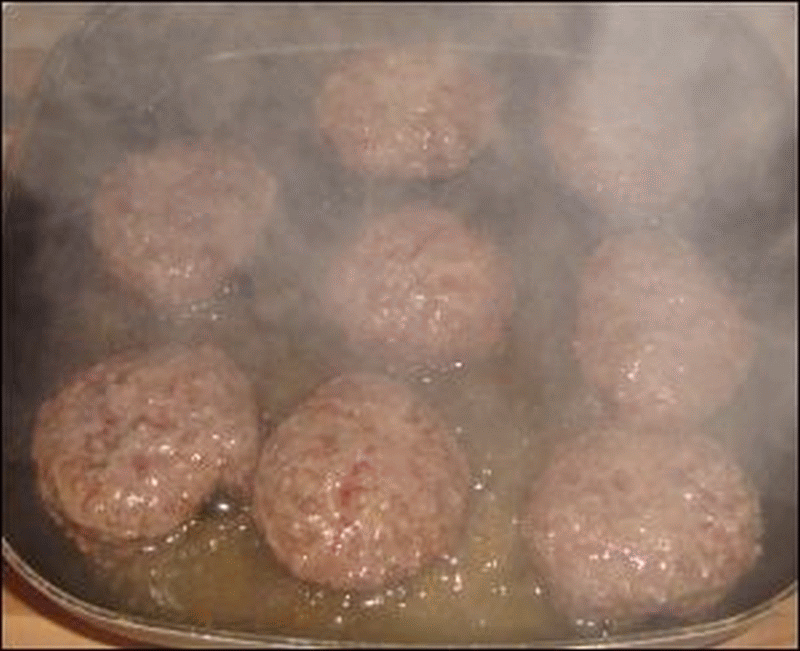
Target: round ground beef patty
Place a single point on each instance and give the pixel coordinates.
(628, 524)
(173, 221)
(620, 139)
(131, 447)
(656, 331)
(418, 285)
(407, 113)
(361, 485)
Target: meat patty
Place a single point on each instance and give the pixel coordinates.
(172, 222)
(407, 113)
(623, 141)
(657, 332)
(132, 446)
(629, 524)
(418, 285)
(745, 121)
(361, 485)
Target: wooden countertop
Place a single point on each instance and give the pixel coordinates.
(31, 620)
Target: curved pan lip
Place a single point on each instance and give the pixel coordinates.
(144, 630)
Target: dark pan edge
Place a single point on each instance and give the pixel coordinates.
(196, 637)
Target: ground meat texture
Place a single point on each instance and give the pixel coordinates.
(418, 285)
(657, 332)
(407, 113)
(362, 485)
(620, 139)
(629, 524)
(131, 447)
(173, 221)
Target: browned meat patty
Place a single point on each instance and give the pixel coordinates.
(629, 524)
(418, 285)
(625, 144)
(408, 113)
(173, 221)
(131, 447)
(656, 331)
(361, 485)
